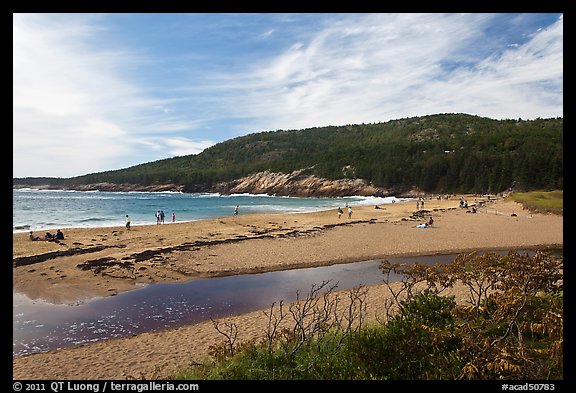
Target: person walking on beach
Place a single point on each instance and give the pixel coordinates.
(340, 212)
(127, 222)
(173, 217)
(349, 211)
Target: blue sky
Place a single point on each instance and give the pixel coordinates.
(97, 92)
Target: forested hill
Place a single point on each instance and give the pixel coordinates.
(435, 153)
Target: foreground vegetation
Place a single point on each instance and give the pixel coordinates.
(541, 201)
(444, 153)
(510, 327)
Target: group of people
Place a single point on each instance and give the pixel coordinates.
(48, 236)
(160, 216)
(420, 203)
(340, 211)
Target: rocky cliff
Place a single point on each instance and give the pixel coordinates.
(298, 184)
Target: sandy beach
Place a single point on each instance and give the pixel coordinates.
(107, 261)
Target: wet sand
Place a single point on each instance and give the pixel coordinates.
(107, 261)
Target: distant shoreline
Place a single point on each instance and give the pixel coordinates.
(294, 184)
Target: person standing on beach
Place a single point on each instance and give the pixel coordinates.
(340, 212)
(236, 210)
(127, 222)
(349, 211)
(173, 217)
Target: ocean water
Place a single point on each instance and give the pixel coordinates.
(39, 210)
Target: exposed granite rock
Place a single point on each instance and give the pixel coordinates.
(298, 184)
(111, 187)
(129, 187)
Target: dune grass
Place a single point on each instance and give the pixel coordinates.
(541, 201)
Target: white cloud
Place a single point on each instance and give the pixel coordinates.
(267, 33)
(525, 81)
(57, 84)
(74, 110)
(176, 146)
(380, 67)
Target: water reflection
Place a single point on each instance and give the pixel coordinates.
(40, 326)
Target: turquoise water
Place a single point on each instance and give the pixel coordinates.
(38, 210)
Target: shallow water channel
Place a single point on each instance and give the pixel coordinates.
(39, 326)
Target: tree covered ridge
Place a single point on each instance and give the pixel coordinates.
(434, 153)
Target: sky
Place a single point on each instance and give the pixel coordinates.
(94, 92)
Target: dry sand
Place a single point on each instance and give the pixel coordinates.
(113, 260)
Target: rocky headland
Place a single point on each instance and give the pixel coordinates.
(298, 183)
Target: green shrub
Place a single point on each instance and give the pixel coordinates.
(512, 330)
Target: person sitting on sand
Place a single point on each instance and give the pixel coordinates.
(430, 221)
(50, 237)
(32, 237)
(59, 235)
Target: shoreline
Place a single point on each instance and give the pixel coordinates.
(115, 260)
(305, 205)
